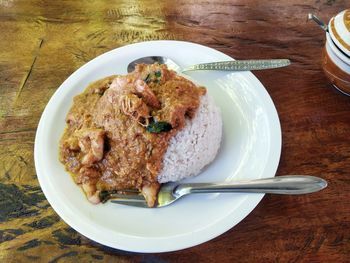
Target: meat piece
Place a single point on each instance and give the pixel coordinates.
(124, 85)
(143, 90)
(87, 178)
(91, 193)
(91, 142)
(134, 106)
(134, 97)
(150, 192)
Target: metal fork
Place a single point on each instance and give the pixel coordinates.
(170, 192)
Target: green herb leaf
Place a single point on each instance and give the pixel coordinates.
(153, 77)
(157, 127)
(158, 74)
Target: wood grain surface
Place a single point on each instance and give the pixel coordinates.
(42, 42)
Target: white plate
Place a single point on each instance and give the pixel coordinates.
(250, 149)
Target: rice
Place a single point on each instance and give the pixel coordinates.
(195, 146)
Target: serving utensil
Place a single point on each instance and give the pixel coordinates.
(318, 21)
(170, 192)
(234, 65)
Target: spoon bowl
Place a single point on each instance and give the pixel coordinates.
(154, 59)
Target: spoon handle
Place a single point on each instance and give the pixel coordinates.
(241, 65)
(296, 184)
(318, 21)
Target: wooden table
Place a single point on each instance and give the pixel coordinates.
(43, 42)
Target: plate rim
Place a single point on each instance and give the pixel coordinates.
(165, 247)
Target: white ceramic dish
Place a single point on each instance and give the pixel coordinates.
(343, 66)
(341, 31)
(341, 58)
(250, 149)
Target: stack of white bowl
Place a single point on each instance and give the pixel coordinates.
(336, 54)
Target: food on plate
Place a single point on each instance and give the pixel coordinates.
(139, 130)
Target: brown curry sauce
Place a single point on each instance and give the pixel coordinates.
(106, 144)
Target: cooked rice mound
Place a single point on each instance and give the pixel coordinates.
(195, 146)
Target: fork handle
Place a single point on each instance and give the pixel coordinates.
(295, 184)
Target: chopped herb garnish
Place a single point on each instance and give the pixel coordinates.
(153, 77)
(148, 78)
(158, 74)
(157, 127)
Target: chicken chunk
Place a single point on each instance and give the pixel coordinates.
(124, 85)
(91, 143)
(91, 193)
(134, 97)
(150, 192)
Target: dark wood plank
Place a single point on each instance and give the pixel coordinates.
(42, 42)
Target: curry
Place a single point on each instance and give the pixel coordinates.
(119, 128)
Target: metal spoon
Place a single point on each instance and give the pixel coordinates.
(235, 65)
(318, 21)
